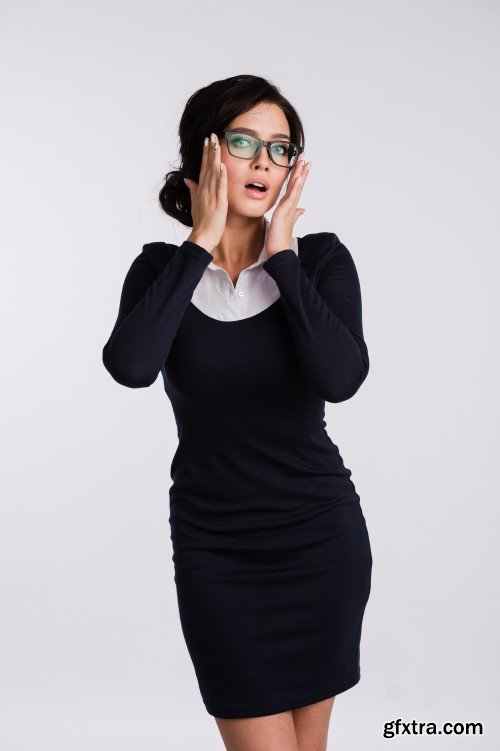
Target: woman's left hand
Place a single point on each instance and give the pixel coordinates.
(286, 213)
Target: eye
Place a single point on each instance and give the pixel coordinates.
(280, 148)
(242, 142)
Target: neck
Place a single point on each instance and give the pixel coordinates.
(241, 242)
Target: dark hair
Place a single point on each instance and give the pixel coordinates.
(211, 109)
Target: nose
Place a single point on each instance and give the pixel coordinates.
(263, 159)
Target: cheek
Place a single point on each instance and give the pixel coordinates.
(236, 179)
(236, 175)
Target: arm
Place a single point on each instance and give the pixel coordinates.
(325, 320)
(150, 313)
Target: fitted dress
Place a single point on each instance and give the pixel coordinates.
(271, 553)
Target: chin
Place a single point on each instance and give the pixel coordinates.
(256, 209)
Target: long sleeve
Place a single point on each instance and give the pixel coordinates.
(150, 313)
(325, 320)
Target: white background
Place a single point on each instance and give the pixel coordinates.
(401, 117)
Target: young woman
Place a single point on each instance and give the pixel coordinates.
(253, 329)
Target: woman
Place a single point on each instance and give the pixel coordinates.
(253, 329)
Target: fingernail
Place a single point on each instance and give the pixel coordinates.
(205, 141)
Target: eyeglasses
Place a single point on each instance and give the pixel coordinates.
(244, 146)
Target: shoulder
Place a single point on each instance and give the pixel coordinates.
(156, 255)
(321, 251)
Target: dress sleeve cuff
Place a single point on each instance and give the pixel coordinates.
(278, 259)
(196, 251)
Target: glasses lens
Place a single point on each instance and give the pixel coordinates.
(245, 146)
(284, 153)
(242, 145)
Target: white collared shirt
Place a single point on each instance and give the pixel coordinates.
(255, 290)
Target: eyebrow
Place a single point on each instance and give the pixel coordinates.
(241, 129)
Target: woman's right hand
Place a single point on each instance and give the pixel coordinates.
(209, 198)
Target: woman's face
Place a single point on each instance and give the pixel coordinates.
(266, 120)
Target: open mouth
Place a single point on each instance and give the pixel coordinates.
(256, 189)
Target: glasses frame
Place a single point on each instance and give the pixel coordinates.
(262, 143)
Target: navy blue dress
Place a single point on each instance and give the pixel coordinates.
(271, 551)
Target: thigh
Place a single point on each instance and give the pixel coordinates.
(276, 732)
(311, 725)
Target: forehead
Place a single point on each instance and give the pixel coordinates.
(253, 132)
(263, 121)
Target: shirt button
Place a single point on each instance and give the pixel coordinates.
(241, 293)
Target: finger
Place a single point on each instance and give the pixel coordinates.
(204, 160)
(294, 188)
(301, 178)
(294, 173)
(208, 161)
(301, 165)
(298, 166)
(215, 172)
(222, 186)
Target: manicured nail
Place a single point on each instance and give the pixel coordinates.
(205, 141)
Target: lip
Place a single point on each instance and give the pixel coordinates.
(256, 194)
(261, 180)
